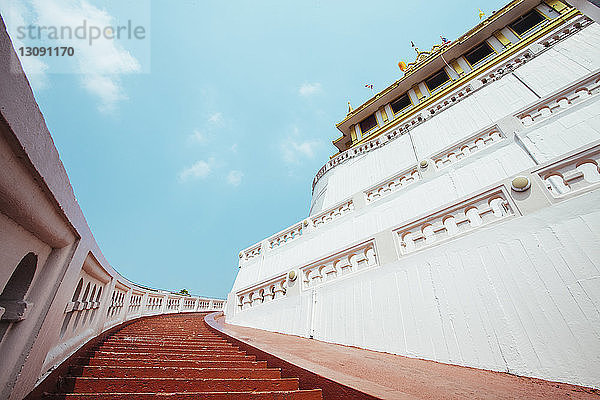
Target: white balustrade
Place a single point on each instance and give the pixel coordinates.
(577, 24)
(251, 252)
(272, 289)
(574, 173)
(457, 218)
(332, 213)
(135, 303)
(561, 101)
(467, 147)
(116, 303)
(393, 184)
(154, 303)
(172, 304)
(356, 258)
(285, 236)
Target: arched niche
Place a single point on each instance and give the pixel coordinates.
(12, 299)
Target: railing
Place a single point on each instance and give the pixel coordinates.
(332, 213)
(252, 252)
(354, 259)
(468, 147)
(272, 289)
(135, 303)
(561, 101)
(393, 184)
(296, 231)
(574, 174)
(457, 218)
(285, 236)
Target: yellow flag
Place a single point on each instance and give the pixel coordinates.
(481, 14)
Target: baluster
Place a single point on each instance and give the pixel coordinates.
(428, 234)
(556, 184)
(590, 170)
(473, 215)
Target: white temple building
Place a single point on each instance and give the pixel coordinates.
(459, 220)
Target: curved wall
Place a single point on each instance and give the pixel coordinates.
(57, 290)
(448, 262)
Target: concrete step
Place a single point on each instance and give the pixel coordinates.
(165, 372)
(166, 341)
(175, 357)
(246, 362)
(169, 385)
(272, 395)
(131, 346)
(166, 335)
(159, 349)
(188, 354)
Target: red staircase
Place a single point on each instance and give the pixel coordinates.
(178, 357)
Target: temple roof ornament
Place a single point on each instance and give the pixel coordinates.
(423, 56)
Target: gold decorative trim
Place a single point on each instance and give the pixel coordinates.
(470, 76)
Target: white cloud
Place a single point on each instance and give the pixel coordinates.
(101, 64)
(106, 88)
(216, 118)
(200, 170)
(198, 137)
(294, 148)
(234, 178)
(308, 89)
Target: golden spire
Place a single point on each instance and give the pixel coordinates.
(349, 107)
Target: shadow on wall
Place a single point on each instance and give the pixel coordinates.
(13, 306)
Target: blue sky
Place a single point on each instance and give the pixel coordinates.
(203, 139)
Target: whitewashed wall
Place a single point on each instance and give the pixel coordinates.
(519, 295)
(565, 62)
(522, 297)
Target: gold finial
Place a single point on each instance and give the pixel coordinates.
(349, 108)
(414, 47)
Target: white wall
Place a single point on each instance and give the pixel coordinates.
(565, 62)
(521, 297)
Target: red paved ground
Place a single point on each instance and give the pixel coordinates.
(174, 356)
(396, 377)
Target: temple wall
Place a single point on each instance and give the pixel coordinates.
(565, 62)
(521, 297)
(447, 261)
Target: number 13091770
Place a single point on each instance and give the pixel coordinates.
(46, 51)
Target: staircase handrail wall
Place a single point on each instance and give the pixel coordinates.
(58, 289)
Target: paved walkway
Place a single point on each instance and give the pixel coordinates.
(396, 377)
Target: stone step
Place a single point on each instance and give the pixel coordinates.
(134, 346)
(153, 385)
(314, 394)
(166, 341)
(246, 362)
(174, 357)
(170, 336)
(165, 372)
(187, 354)
(163, 349)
